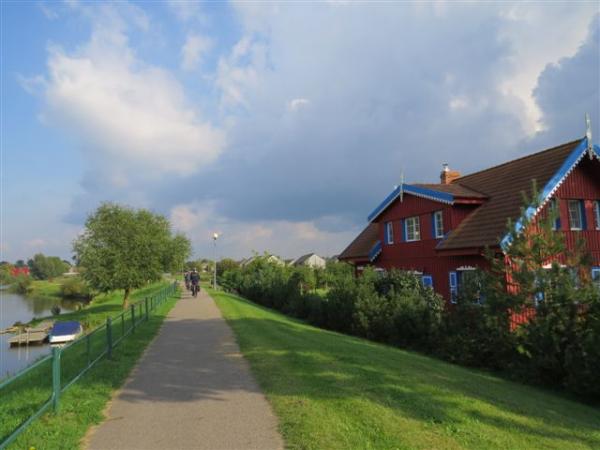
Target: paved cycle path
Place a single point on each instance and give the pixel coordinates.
(191, 390)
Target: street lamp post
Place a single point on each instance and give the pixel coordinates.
(215, 237)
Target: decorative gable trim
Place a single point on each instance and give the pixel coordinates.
(430, 194)
(375, 251)
(552, 186)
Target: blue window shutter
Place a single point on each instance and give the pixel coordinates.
(583, 217)
(453, 286)
(556, 206)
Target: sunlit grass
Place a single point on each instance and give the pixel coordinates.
(334, 391)
(82, 403)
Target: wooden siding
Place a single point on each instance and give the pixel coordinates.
(582, 184)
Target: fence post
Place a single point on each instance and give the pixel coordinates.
(146, 303)
(55, 378)
(109, 344)
(133, 318)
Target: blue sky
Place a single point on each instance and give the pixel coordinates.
(280, 125)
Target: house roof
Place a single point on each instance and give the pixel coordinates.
(443, 193)
(454, 189)
(504, 185)
(303, 258)
(360, 247)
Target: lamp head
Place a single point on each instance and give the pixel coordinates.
(215, 236)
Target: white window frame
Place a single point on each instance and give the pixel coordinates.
(439, 230)
(576, 204)
(416, 228)
(597, 213)
(389, 233)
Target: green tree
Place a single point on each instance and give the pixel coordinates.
(226, 264)
(124, 248)
(178, 250)
(539, 270)
(44, 267)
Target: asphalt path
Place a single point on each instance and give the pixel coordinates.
(192, 389)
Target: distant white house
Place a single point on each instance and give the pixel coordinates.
(311, 260)
(72, 272)
(270, 258)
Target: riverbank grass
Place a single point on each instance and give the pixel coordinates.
(102, 306)
(83, 403)
(334, 391)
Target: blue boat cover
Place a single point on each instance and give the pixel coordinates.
(65, 328)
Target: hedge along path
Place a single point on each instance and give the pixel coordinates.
(191, 389)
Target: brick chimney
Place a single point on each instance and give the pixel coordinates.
(448, 176)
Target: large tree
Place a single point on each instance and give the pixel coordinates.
(43, 267)
(124, 248)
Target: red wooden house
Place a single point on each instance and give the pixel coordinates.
(441, 230)
(16, 271)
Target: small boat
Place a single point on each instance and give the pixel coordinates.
(65, 332)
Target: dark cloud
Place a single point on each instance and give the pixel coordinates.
(334, 103)
(567, 90)
(385, 89)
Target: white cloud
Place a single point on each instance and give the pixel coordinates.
(238, 73)
(194, 50)
(36, 243)
(240, 239)
(298, 103)
(186, 10)
(50, 13)
(458, 103)
(131, 118)
(533, 46)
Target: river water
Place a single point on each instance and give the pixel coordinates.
(13, 308)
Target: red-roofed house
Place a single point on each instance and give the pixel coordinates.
(441, 230)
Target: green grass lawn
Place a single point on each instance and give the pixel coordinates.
(103, 306)
(46, 288)
(82, 404)
(334, 391)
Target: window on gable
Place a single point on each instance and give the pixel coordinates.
(389, 233)
(438, 225)
(597, 213)
(413, 230)
(575, 214)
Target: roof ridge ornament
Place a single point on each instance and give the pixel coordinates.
(402, 186)
(588, 136)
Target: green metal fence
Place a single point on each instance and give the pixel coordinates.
(54, 373)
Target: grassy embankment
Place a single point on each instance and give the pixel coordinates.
(95, 312)
(335, 391)
(82, 404)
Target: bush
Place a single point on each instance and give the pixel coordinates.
(75, 288)
(21, 284)
(560, 346)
